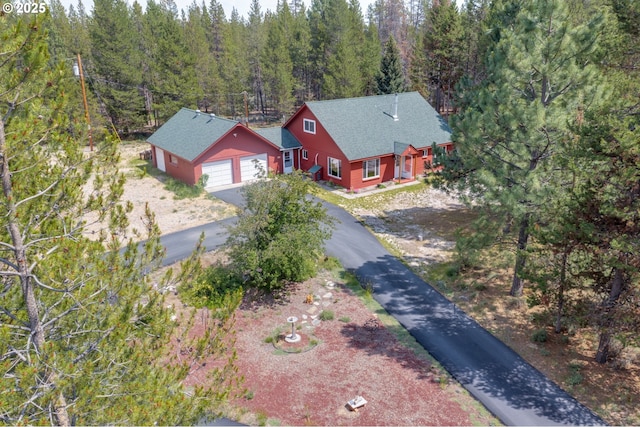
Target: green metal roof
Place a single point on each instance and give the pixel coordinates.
(365, 127)
(278, 136)
(189, 133)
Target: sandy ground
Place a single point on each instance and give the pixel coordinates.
(148, 189)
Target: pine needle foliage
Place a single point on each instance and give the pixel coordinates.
(84, 338)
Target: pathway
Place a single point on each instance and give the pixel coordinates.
(508, 386)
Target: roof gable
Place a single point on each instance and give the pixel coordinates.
(366, 127)
(189, 133)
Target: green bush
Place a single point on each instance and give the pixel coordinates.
(540, 335)
(326, 315)
(212, 288)
(280, 234)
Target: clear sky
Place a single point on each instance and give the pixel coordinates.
(242, 6)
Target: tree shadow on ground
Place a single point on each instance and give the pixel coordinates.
(256, 299)
(497, 376)
(377, 340)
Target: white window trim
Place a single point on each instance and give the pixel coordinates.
(308, 124)
(425, 152)
(329, 159)
(305, 154)
(364, 169)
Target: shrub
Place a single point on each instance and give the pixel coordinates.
(212, 288)
(182, 190)
(279, 236)
(540, 336)
(326, 315)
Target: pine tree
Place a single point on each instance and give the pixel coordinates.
(206, 68)
(173, 78)
(442, 50)
(83, 337)
(115, 48)
(278, 67)
(539, 76)
(390, 78)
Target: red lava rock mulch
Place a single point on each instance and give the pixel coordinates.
(351, 355)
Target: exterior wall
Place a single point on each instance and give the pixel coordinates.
(420, 170)
(183, 171)
(319, 147)
(244, 143)
(387, 165)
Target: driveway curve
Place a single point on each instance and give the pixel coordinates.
(512, 389)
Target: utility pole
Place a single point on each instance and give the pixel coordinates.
(246, 109)
(84, 99)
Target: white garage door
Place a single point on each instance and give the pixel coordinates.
(248, 170)
(219, 172)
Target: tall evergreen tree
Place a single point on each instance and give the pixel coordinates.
(116, 58)
(278, 68)
(299, 47)
(173, 78)
(255, 45)
(235, 65)
(390, 78)
(205, 65)
(82, 334)
(539, 76)
(442, 49)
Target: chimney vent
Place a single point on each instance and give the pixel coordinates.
(395, 108)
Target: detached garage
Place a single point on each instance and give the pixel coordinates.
(192, 144)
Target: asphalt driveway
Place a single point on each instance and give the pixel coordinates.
(508, 386)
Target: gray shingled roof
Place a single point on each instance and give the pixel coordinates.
(365, 127)
(188, 134)
(278, 136)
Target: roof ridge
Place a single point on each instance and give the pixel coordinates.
(361, 97)
(210, 115)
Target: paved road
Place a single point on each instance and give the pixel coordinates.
(508, 386)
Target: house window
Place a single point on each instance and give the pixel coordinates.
(371, 169)
(309, 126)
(305, 154)
(335, 168)
(425, 152)
(173, 159)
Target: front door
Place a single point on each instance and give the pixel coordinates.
(287, 159)
(407, 167)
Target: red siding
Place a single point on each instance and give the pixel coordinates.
(387, 165)
(183, 171)
(319, 146)
(239, 142)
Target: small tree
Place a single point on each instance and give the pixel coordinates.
(279, 236)
(390, 79)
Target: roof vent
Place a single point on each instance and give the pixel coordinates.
(197, 112)
(213, 116)
(395, 108)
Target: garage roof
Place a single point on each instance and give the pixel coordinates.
(189, 133)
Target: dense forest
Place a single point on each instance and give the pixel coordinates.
(142, 65)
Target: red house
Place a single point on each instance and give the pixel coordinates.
(192, 144)
(361, 142)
